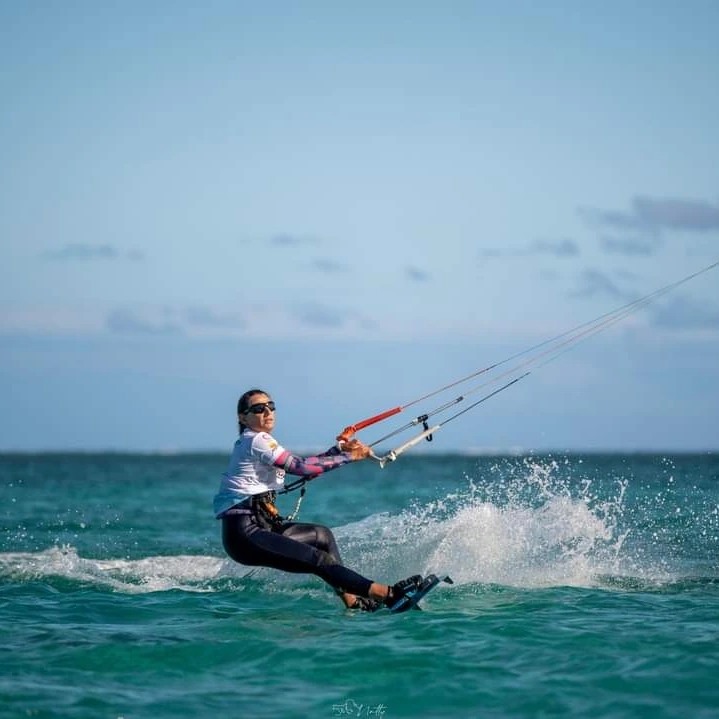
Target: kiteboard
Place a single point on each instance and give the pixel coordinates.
(412, 598)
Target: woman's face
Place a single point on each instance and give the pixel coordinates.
(265, 420)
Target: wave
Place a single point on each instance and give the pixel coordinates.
(134, 576)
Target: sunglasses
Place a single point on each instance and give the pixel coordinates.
(260, 407)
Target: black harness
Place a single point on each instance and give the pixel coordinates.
(263, 508)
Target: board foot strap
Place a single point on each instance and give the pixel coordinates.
(412, 598)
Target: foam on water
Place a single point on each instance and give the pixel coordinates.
(150, 574)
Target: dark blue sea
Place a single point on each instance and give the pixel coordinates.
(585, 586)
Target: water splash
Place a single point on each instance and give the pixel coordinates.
(528, 524)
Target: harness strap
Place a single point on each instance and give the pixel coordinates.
(264, 506)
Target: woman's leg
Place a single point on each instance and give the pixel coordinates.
(321, 537)
(247, 543)
(316, 535)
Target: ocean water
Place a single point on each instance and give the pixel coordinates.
(585, 586)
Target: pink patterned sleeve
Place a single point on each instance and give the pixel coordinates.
(312, 466)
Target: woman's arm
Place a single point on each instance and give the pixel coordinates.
(311, 466)
(321, 463)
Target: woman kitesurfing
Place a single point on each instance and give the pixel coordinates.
(254, 533)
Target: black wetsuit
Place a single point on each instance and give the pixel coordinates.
(249, 538)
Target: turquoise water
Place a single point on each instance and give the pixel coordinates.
(585, 586)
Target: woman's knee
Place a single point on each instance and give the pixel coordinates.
(325, 538)
(327, 542)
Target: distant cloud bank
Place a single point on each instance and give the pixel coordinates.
(652, 215)
(416, 275)
(554, 248)
(170, 320)
(284, 239)
(685, 314)
(83, 252)
(128, 321)
(329, 267)
(629, 246)
(196, 321)
(594, 283)
(318, 316)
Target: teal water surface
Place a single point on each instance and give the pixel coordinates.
(585, 586)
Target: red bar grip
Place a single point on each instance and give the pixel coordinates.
(347, 432)
(377, 418)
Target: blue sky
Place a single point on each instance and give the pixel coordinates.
(350, 206)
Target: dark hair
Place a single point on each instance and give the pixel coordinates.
(244, 403)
